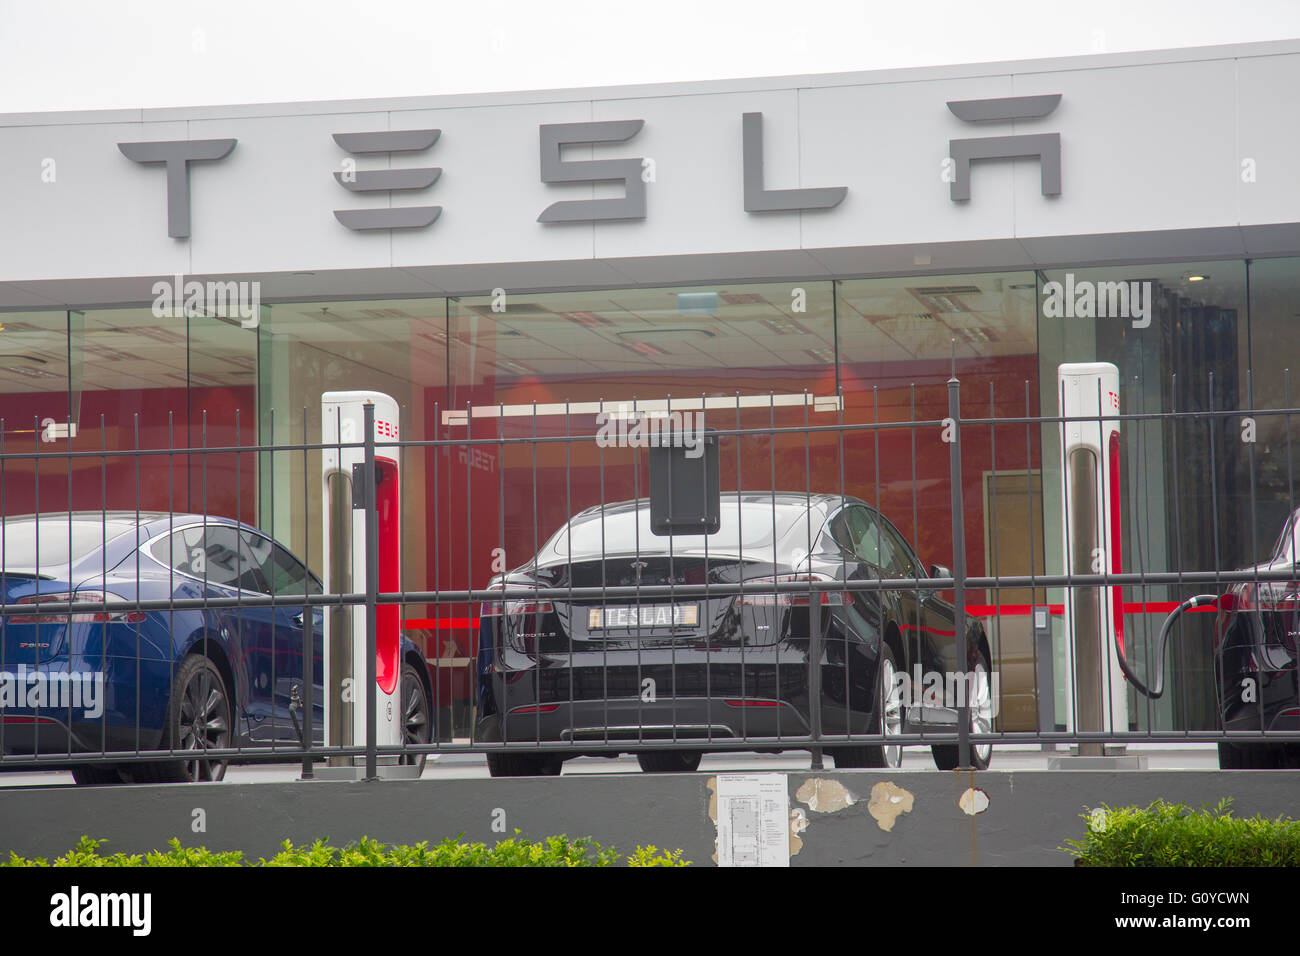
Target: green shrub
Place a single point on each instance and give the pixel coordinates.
(1172, 834)
(515, 851)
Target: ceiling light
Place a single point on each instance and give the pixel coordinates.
(588, 320)
(785, 326)
(643, 334)
(697, 303)
(818, 403)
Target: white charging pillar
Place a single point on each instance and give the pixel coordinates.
(1091, 544)
(344, 528)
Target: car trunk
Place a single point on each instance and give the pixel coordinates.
(665, 619)
(29, 639)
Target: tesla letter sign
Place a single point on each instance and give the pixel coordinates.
(178, 155)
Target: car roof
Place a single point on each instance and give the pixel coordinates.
(144, 517)
(123, 531)
(122, 524)
(794, 499)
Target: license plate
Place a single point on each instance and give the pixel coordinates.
(643, 615)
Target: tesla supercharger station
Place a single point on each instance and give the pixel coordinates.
(344, 478)
(1090, 540)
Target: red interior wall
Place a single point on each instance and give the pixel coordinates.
(218, 483)
(515, 497)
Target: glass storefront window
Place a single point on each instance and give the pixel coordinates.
(1274, 384)
(743, 356)
(33, 399)
(396, 347)
(1178, 334)
(900, 340)
(792, 356)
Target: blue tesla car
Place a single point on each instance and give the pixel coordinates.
(118, 678)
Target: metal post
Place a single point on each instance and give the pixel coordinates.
(370, 490)
(1085, 602)
(308, 679)
(308, 642)
(959, 566)
(815, 676)
(1043, 670)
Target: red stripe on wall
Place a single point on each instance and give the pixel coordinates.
(1135, 607)
(440, 623)
(978, 610)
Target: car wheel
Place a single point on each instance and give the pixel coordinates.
(524, 765)
(948, 756)
(669, 761)
(1251, 756)
(97, 775)
(417, 727)
(888, 721)
(199, 718)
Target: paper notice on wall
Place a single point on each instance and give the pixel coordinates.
(753, 819)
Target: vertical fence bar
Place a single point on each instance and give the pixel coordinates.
(308, 629)
(740, 536)
(959, 565)
(4, 553)
(815, 649)
(369, 489)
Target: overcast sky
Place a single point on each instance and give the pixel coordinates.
(92, 54)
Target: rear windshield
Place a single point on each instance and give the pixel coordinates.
(27, 544)
(749, 527)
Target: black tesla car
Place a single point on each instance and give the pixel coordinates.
(1256, 633)
(708, 668)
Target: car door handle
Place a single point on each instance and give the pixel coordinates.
(297, 621)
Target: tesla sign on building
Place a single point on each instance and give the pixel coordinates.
(776, 252)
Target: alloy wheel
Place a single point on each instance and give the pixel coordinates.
(891, 710)
(981, 713)
(415, 717)
(204, 720)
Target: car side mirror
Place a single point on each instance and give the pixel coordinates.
(939, 571)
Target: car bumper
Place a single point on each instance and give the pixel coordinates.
(637, 721)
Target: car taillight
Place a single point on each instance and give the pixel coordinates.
(1278, 596)
(124, 616)
(793, 598)
(535, 709)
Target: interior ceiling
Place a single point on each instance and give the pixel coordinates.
(753, 327)
(589, 333)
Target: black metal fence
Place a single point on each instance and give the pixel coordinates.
(159, 643)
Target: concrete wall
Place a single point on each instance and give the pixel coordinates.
(1028, 816)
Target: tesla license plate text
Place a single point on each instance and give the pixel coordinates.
(644, 615)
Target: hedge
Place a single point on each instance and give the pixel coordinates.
(1172, 834)
(515, 851)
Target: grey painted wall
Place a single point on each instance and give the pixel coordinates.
(1030, 813)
